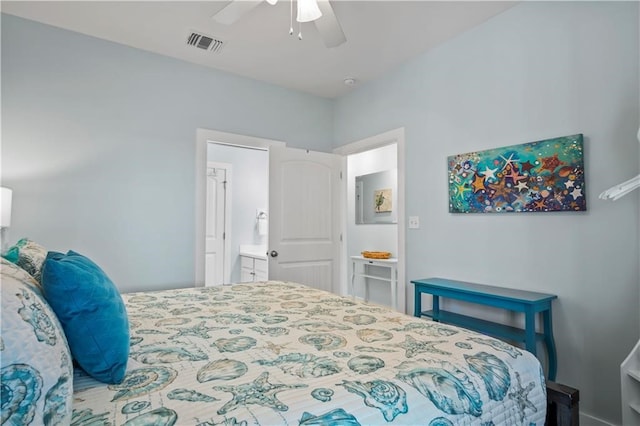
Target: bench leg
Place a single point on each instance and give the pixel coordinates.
(550, 343)
(530, 330)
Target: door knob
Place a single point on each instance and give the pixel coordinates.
(274, 253)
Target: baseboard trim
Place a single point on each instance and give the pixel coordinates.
(587, 420)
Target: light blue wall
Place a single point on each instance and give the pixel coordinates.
(249, 191)
(538, 70)
(98, 144)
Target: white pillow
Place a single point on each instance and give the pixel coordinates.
(36, 366)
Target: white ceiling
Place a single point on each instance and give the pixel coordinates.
(380, 35)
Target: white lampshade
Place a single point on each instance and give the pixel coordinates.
(272, 2)
(5, 207)
(308, 11)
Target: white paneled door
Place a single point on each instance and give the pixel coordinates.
(216, 223)
(305, 210)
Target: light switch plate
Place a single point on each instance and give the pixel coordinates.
(414, 222)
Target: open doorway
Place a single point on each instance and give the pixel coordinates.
(374, 172)
(205, 137)
(303, 210)
(245, 216)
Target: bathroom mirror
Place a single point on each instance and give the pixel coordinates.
(376, 197)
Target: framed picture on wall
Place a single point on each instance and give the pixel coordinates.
(382, 200)
(542, 176)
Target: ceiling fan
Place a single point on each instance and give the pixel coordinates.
(319, 12)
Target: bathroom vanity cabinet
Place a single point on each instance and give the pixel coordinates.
(254, 265)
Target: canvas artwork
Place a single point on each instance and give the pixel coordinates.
(382, 200)
(540, 176)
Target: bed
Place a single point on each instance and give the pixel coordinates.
(281, 353)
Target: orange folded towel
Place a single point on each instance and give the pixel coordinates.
(376, 254)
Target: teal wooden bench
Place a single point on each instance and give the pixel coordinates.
(528, 302)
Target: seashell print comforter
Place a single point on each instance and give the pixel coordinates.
(280, 353)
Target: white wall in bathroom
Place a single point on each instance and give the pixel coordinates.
(250, 191)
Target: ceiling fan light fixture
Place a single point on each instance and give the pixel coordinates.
(308, 11)
(272, 2)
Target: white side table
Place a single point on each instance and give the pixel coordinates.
(359, 269)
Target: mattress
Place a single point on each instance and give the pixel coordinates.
(280, 353)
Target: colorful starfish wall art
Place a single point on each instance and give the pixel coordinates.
(540, 176)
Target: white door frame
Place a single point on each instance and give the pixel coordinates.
(228, 188)
(393, 136)
(203, 137)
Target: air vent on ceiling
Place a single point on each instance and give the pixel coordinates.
(204, 42)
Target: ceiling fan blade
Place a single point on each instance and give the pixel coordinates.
(234, 11)
(328, 25)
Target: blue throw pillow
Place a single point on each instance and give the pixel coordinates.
(91, 312)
